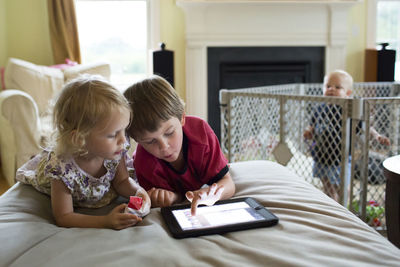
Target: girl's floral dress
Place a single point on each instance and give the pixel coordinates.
(86, 190)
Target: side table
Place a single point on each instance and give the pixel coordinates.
(391, 169)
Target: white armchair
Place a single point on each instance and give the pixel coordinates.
(24, 108)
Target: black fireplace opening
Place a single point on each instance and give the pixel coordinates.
(241, 67)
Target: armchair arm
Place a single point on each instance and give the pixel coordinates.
(20, 131)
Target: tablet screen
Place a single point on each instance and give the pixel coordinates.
(224, 216)
(218, 215)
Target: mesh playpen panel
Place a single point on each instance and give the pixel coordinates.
(269, 123)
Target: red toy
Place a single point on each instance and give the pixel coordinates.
(135, 202)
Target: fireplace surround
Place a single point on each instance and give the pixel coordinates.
(258, 23)
(241, 67)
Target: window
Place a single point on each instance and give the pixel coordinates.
(115, 32)
(388, 28)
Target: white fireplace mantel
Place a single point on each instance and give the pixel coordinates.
(213, 23)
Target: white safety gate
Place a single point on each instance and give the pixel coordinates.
(269, 123)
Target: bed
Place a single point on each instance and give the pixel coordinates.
(313, 231)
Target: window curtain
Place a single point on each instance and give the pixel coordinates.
(63, 30)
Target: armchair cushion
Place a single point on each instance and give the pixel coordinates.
(40, 82)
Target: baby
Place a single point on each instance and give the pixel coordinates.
(325, 130)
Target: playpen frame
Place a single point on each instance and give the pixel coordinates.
(367, 97)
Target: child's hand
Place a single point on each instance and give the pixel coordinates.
(307, 134)
(207, 196)
(118, 220)
(162, 198)
(383, 140)
(146, 205)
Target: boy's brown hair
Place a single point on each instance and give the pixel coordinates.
(153, 101)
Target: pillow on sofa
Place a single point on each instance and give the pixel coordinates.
(68, 63)
(98, 68)
(41, 82)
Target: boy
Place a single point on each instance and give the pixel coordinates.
(325, 130)
(177, 155)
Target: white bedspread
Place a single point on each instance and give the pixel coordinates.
(313, 231)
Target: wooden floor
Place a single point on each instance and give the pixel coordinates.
(3, 184)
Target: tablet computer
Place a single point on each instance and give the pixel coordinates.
(224, 216)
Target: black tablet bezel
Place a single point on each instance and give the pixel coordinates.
(269, 220)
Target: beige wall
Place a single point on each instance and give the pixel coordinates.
(356, 42)
(27, 31)
(3, 33)
(172, 30)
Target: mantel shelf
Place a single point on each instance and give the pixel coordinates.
(186, 2)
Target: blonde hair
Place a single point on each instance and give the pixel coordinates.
(344, 75)
(152, 101)
(82, 104)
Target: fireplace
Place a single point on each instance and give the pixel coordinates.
(214, 24)
(240, 67)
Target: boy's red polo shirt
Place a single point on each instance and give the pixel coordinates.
(204, 161)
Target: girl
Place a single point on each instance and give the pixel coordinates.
(86, 165)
